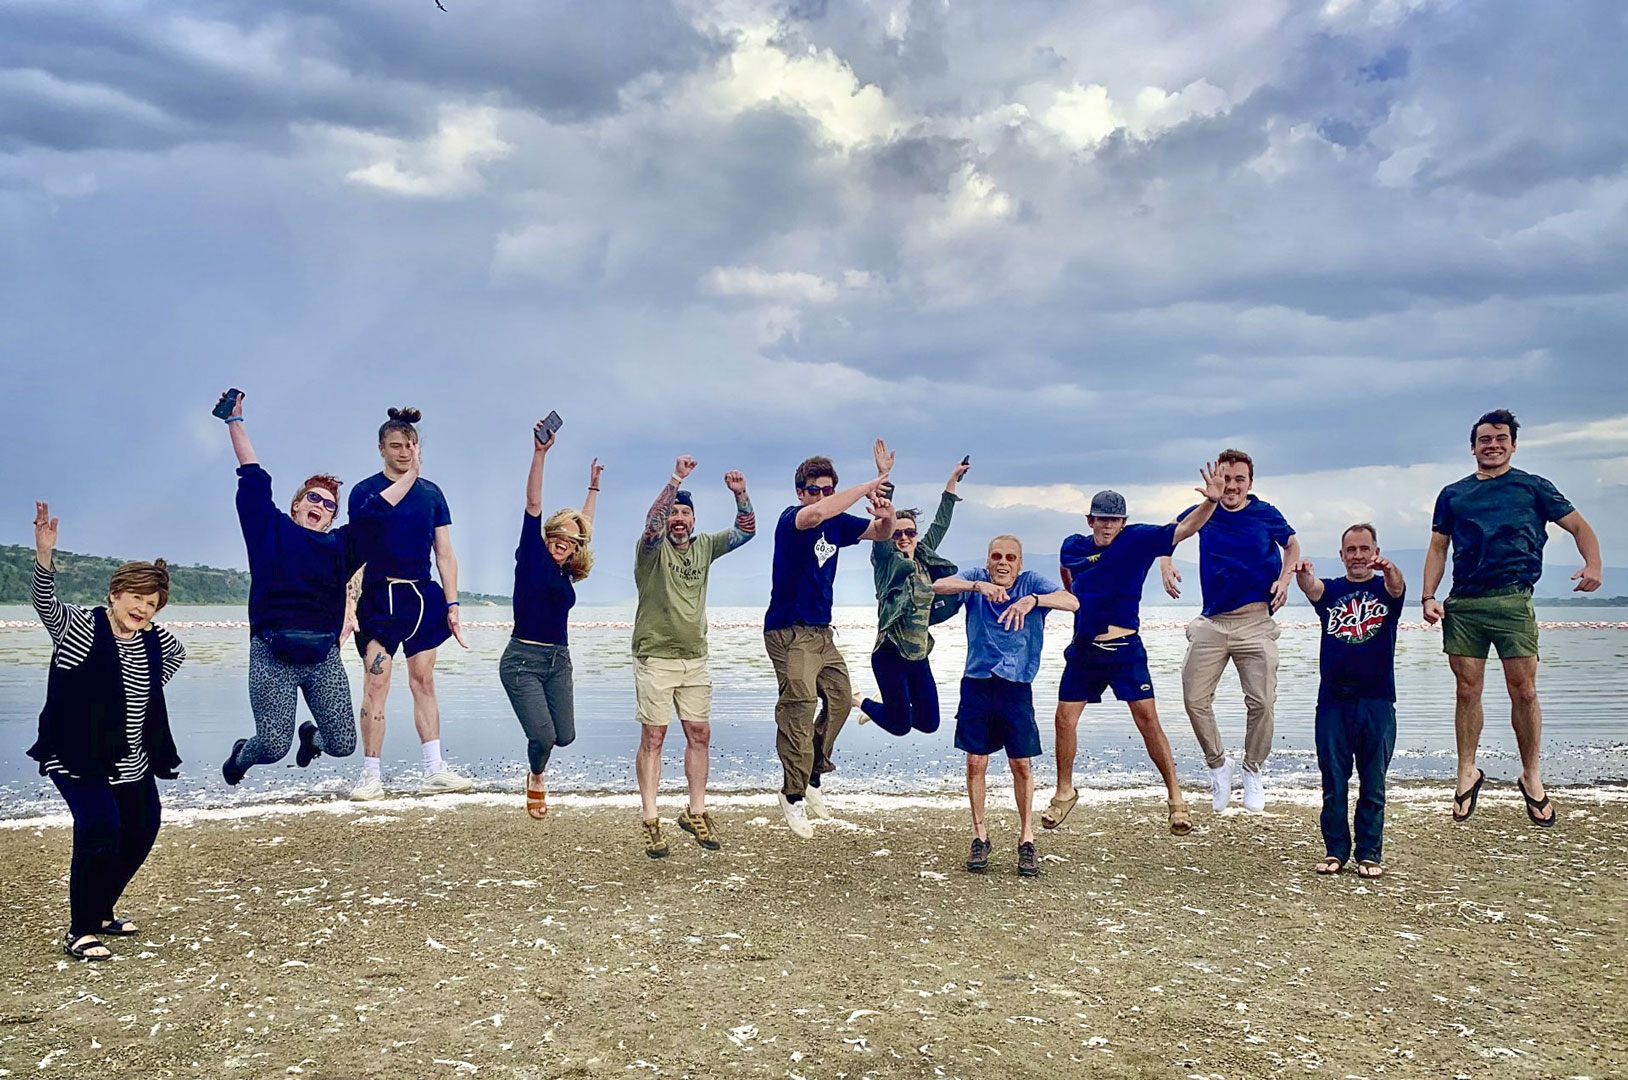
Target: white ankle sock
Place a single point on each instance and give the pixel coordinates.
(432, 756)
(370, 766)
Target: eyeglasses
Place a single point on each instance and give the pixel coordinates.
(1007, 556)
(820, 489)
(327, 504)
(905, 534)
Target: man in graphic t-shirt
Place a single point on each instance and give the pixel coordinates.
(815, 695)
(1496, 522)
(1356, 700)
(1244, 578)
(1105, 572)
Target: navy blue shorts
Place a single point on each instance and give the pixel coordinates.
(997, 715)
(1091, 667)
(406, 615)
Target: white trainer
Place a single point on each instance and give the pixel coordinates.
(1254, 790)
(1221, 785)
(859, 707)
(444, 781)
(815, 802)
(371, 787)
(796, 820)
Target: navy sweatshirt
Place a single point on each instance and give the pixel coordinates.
(297, 576)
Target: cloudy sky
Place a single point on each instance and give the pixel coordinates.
(1089, 243)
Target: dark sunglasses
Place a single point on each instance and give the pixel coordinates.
(327, 504)
(1007, 556)
(821, 490)
(905, 534)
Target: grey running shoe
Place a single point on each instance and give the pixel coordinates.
(978, 860)
(700, 827)
(1028, 860)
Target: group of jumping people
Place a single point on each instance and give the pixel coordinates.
(104, 734)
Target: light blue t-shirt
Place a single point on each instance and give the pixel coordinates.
(992, 649)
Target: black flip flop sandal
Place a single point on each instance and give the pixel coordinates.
(119, 927)
(80, 950)
(1472, 795)
(1534, 805)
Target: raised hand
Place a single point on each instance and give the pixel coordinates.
(1305, 567)
(879, 507)
(542, 442)
(1172, 580)
(956, 474)
(735, 481)
(992, 592)
(1213, 487)
(1588, 579)
(416, 466)
(884, 458)
(594, 469)
(237, 407)
(1381, 565)
(684, 466)
(45, 532)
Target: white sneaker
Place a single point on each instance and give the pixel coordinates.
(1254, 791)
(815, 803)
(859, 707)
(371, 787)
(443, 781)
(796, 820)
(1221, 785)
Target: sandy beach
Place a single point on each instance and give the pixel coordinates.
(455, 937)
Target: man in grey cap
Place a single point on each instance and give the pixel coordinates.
(1105, 571)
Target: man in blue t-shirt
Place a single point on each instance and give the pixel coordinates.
(1245, 580)
(815, 695)
(1105, 572)
(1356, 700)
(1496, 521)
(997, 692)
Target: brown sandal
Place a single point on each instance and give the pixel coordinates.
(1370, 868)
(1180, 822)
(1054, 815)
(536, 799)
(1330, 865)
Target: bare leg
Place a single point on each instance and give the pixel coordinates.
(1068, 744)
(1146, 715)
(1023, 789)
(421, 681)
(977, 774)
(1469, 673)
(375, 690)
(1526, 716)
(647, 766)
(697, 747)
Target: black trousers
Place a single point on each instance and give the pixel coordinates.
(909, 694)
(114, 826)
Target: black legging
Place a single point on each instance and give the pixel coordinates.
(909, 694)
(114, 826)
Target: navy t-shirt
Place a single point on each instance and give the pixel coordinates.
(1238, 556)
(297, 576)
(400, 546)
(1498, 527)
(805, 568)
(543, 593)
(1108, 580)
(1359, 621)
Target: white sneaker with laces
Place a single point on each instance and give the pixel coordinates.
(371, 787)
(796, 820)
(1221, 785)
(443, 781)
(815, 803)
(1254, 790)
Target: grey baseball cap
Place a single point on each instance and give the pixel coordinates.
(1108, 504)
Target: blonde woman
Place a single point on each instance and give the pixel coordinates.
(536, 667)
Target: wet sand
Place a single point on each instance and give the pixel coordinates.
(452, 937)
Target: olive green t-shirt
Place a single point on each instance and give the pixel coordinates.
(672, 618)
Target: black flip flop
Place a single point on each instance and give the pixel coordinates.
(119, 927)
(80, 950)
(1472, 795)
(1534, 805)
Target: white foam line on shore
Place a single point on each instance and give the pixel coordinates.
(864, 802)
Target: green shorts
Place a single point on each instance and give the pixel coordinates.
(1503, 620)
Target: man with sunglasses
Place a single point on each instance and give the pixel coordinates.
(814, 692)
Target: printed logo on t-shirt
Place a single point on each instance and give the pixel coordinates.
(1357, 618)
(823, 550)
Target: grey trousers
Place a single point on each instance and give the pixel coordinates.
(537, 679)
(1248, 638)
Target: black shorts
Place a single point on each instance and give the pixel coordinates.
(995, 715)
(1091, 667)
(406, 615)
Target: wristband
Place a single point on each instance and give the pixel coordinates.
(592, 488)
(234, 419)
(1210, 500)
(676, 480)
(1422, 599)
(452, 603)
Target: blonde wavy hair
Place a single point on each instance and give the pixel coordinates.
(571, 525)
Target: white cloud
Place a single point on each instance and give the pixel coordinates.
(755, 282)
(444, 164)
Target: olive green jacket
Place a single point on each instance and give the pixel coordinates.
(904, 599)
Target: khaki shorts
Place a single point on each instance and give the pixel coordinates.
(663, 686)
(1503, 620)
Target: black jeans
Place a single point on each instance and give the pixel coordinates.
(1363, 733)
(909, 694)
(537, 679)
(114, 826)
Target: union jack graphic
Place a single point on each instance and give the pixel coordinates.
(1357, 618)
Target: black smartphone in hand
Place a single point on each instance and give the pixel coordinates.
(545, 430)
(228, 402)
(967, 460)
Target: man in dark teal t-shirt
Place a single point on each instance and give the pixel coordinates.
(1496, 522)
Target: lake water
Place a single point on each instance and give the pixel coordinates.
(1583, 684)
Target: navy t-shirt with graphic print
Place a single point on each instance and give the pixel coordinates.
(1498, 527)
(399, 545)
(1359, 621)
(1108, 580)
(805, 568)
(1238, 556)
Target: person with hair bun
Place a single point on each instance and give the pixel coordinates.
(298, 567)
(536, 667)
(399, 605)
(104, 734)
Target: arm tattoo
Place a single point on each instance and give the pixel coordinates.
(745, 526)
(656, 520)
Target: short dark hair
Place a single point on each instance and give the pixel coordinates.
(1497, 416)
(1373, 532)
(1236, 457)
(142, 578)
(815, 466)
(401, 420)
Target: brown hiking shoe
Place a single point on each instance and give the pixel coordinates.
(701, 828)
(654, 845)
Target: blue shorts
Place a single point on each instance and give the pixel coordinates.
(406, 615)
(1091, 667)
(997, 715)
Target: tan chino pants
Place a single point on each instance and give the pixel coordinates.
(815, 699)
(1248, 637)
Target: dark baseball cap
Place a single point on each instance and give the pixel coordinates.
(1108, 504)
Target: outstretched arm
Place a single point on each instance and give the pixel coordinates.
(534, 479)
(881, 526)
(816, 514)
(655, 521)
(591, 500)
(1211, 491)
(240, 437)
(1060, 600)
(1305, 575)
(1588, 546)
(1395, 583)
(745, 526)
